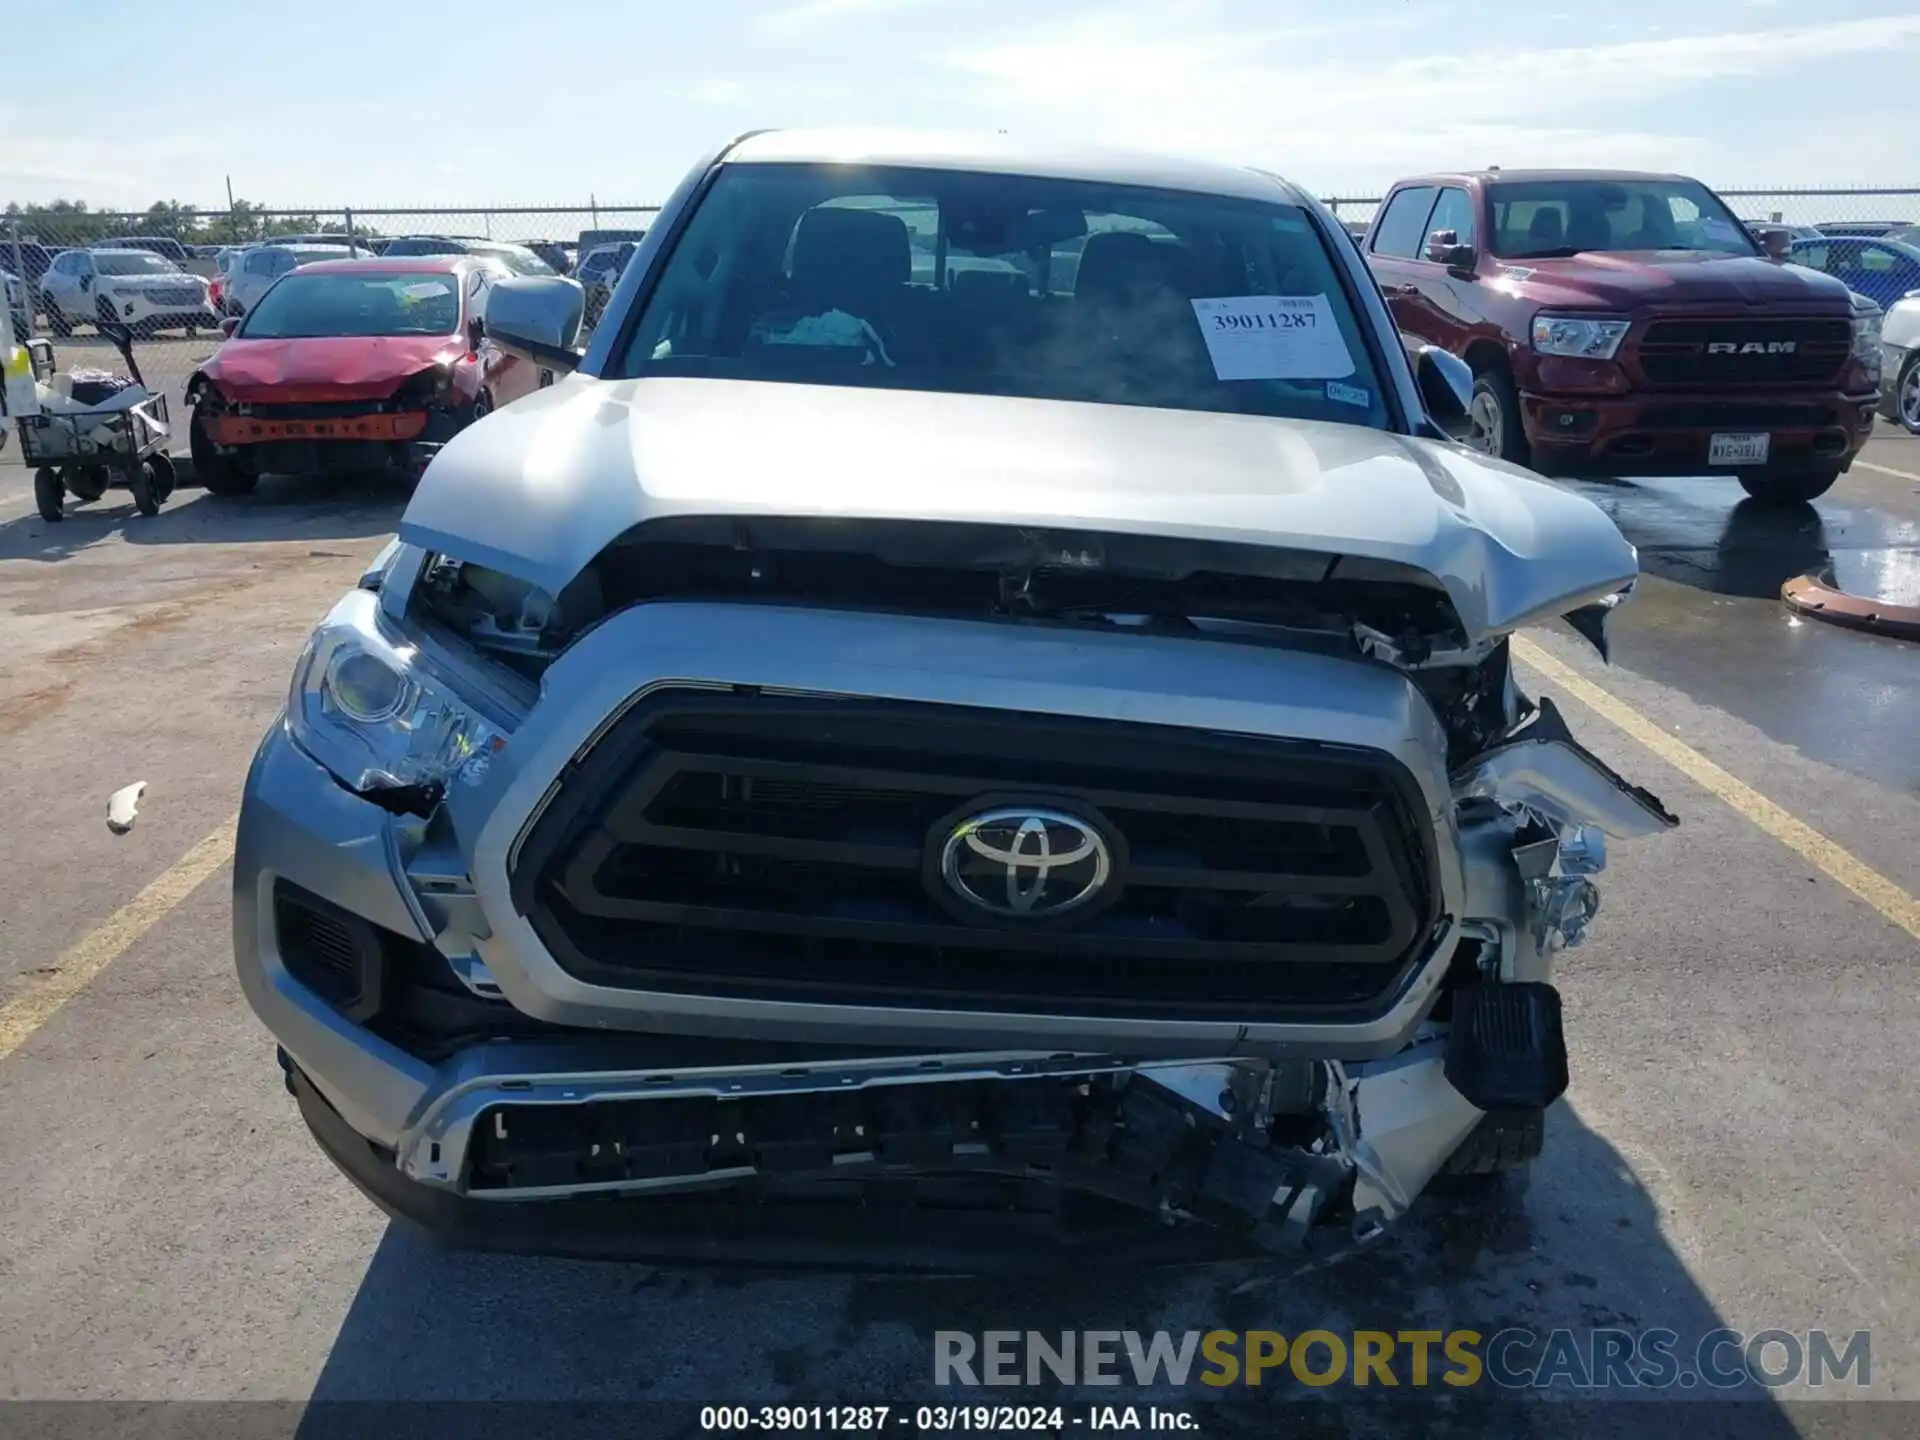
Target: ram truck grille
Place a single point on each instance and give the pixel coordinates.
(1745, 351)
(786, 848)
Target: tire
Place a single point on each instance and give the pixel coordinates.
(49, 495)
(217, 473)
(1793, 488)
(161, 475)
(1493, 418)
(1906, 394)
(1503, 1140)
(140, 482)
(86, 483)
(57, 322)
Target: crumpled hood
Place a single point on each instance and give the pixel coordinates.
(326, 367)
(538, 488)
(1675, 278)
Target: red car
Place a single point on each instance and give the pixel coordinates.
(349, 365)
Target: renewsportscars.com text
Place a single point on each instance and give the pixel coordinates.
(1599, 1359)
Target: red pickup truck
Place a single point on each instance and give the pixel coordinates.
(1628, 324)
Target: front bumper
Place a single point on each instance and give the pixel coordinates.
(402, 1120)
(1669, 432)
(139, 311)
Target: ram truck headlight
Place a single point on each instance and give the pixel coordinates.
(1584, 337)
(368, 706)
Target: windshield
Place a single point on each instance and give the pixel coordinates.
(304, 306)
(1006, 285)
(1540, 219)
(133, 262)
(521, 262)
(424, 245)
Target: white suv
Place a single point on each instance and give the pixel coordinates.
(135, 288)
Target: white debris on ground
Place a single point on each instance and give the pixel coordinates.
(123, 805)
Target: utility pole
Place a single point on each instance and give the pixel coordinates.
(233, 220)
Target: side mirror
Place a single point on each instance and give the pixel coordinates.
(1444, 248)
(537, 318)
(228, 325)
(1446, 385)
(476, 332)
(1778, 243)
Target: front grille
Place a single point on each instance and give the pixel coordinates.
(786, 849)
(176, 297)
(1683, 352)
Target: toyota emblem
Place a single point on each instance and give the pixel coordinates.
(1022, 862)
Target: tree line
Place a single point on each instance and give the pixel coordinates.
(73, 222)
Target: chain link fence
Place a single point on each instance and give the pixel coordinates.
(45, 254)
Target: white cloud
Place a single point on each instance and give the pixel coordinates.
(714, 92)
(1357, 121)
(812, 13)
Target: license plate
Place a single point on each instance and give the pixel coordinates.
(1738, 449)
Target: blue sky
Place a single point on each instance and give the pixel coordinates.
(331, 102)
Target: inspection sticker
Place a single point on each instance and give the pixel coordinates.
(1273, 337)
(1348, 394)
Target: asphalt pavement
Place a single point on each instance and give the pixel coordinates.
(1740, 1146)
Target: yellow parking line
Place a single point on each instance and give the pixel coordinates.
(75, 969)
(1813, 847)
(1885, 470)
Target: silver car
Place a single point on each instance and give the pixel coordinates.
(894, 769)
(254, 271)
(1900, 362)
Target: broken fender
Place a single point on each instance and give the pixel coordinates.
(1545, 769)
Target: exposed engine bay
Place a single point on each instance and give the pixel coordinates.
(1331, 605)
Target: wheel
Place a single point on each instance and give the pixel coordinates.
(86, 483)
(217, 472)
(57, 322)
(1906, 393)
(193, 332)
(1503, 1140)
(482, 405)
(140, 482)
(49, 495)
(1792, 488)
(160, 475)
(1493, 418)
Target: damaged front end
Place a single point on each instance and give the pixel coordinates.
(312, 428)
(542, 1125)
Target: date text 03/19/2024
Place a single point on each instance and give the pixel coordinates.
(943, 1419)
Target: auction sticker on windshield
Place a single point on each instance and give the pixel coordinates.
(1273, 337)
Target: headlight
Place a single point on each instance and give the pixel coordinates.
(1866, 334)
(1583, 337)
(365, 705)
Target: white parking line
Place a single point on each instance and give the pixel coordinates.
(1885, 470)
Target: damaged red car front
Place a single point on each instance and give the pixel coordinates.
(344, 365)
